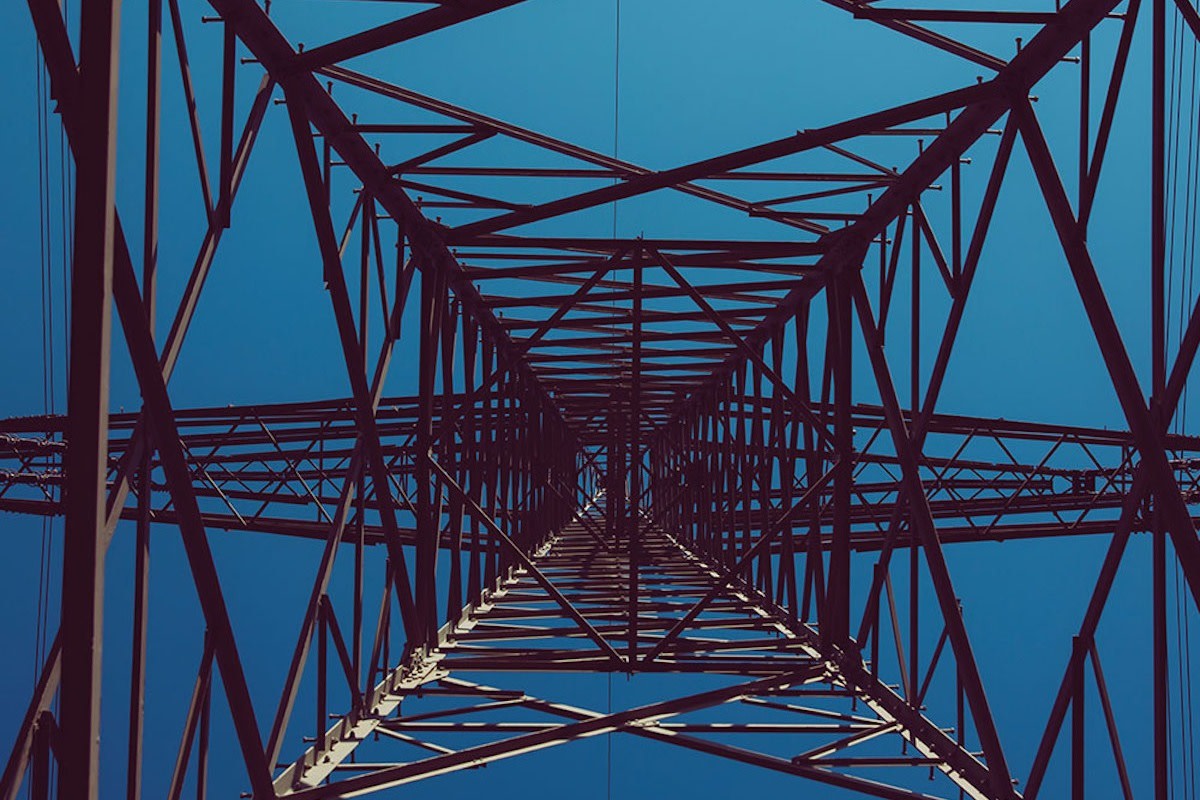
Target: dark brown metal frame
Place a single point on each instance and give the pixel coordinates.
(658, 473)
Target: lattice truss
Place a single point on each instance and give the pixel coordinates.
(681, 456)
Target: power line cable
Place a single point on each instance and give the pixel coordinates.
(616, 147)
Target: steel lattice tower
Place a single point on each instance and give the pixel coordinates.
(719, 460)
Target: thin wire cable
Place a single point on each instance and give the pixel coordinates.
(1187, 174)
(1190, 761)
(46, 257)
(68, 234)
(1171, 202)
(616, 146)
(1191, 232)
(1179, 674)
(37, 661)
(67, 250)
(1189, 216)
(1187, 731)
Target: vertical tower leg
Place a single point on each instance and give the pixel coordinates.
(87, 402)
